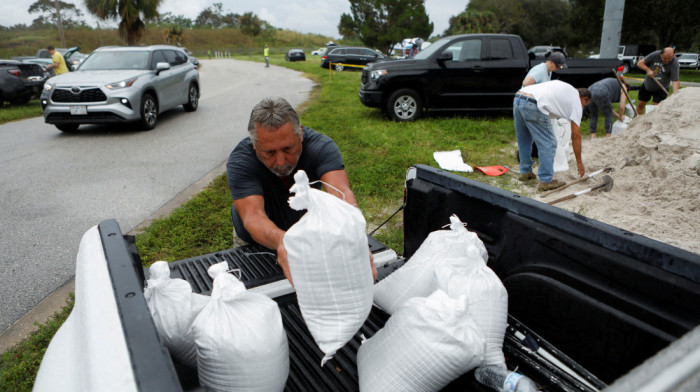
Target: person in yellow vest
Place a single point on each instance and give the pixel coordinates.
(266, 52)
(59, 63)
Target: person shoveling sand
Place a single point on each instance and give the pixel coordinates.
(657, 174)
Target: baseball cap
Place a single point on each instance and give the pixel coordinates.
(558, 59)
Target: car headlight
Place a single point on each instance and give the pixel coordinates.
(48, 86)
(377, 74)
(122, 84)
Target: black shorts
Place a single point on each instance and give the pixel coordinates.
(645, 95)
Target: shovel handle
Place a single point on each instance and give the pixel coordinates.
(625, 91)
(584, 178)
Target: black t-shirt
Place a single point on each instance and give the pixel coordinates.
(248, 176)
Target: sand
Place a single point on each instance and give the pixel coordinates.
(657, 193)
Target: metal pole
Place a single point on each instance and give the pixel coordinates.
(612, 27)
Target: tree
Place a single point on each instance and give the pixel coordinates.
(167, 19)
(133, 15)
(214, 18)
(251, 27)
(470, 22)
(56, 13)
(381, 23)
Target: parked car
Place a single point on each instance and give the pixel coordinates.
(353, 56)
(295, 55)
(20, 82)
(122, 84)
(319, 52)
(191, 57)
(688, 60)
(543, 51)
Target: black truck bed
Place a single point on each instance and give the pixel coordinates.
(600, 299)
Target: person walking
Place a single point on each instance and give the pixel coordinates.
(533, 106)
(266, 53)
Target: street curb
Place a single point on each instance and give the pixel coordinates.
(54, 302)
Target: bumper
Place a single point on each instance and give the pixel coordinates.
(111, 111)
(372, 99)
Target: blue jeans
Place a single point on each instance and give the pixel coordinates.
(533, 125)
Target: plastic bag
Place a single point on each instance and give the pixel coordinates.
(618, 127)
(487, 301)
(425, 345)
(241, 343)
(455, 247)
(562, 132)
(173, 308)
(329, 262)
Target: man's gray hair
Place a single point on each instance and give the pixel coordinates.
(272, 113)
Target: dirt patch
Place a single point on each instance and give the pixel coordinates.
(657, 193)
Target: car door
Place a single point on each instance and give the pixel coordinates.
(167, 82)
(505, 70)
(182, 67)
(458, 83)
(369, 56)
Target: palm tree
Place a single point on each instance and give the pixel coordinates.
(133, 13)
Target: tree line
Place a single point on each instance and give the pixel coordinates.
(574, 24)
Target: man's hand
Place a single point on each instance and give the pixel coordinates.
(581, 169)
(650, 73)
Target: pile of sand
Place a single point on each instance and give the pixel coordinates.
(657, 193)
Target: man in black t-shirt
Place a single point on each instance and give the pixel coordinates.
(261, 170)
(663, 66)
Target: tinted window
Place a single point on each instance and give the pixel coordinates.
(370, 53)
(338, 52)
(501, 49)
(467, 50)
(158, 58)
(180, 58)
(356, 51)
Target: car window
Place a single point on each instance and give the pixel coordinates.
(467, 50)
(338, 52)
(180, 57)
(116, 60)
(369, 53)
(501, 49)
(170, 57)
(158, 57)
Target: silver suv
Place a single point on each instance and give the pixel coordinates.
(122, 84)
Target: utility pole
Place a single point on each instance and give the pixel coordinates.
(612, 27)
(60, 24)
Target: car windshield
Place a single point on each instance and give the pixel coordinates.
(116, 60)
(689, 56)
(427, 52)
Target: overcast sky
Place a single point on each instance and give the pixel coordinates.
(306, 16)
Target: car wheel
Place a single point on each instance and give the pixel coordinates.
(404, 105)
(67, 127)
(192, 98)
(339, 67)
(149, 111)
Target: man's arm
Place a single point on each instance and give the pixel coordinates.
(576, 142)
(339, 180)
(643, 66)
(676, 87)
(529, 80)
(263, 230)
(623, 101)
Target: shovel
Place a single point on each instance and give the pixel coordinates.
(607, 185)
(584, 178)
(622, 86)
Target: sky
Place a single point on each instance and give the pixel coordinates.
(305, 16)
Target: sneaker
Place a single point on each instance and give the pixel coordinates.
(527, 176)
(548, 186)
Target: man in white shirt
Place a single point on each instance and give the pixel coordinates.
(532, 108)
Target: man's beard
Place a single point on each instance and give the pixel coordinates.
(282, 171)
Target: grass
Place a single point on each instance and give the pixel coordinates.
(18, 112)
(20, 364)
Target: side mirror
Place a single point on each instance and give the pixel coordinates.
(162, 67)
(444, 56)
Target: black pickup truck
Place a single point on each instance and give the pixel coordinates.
(464, 72)
(588, 303)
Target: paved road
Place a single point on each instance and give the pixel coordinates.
(55, 186)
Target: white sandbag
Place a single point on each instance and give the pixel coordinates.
(456, 247)
(329, 262)
(562, 132)
(618, 127)
(241, 343)
(487, 301)
(425, 345)
(173, 307)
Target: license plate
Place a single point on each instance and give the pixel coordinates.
(78, 110)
